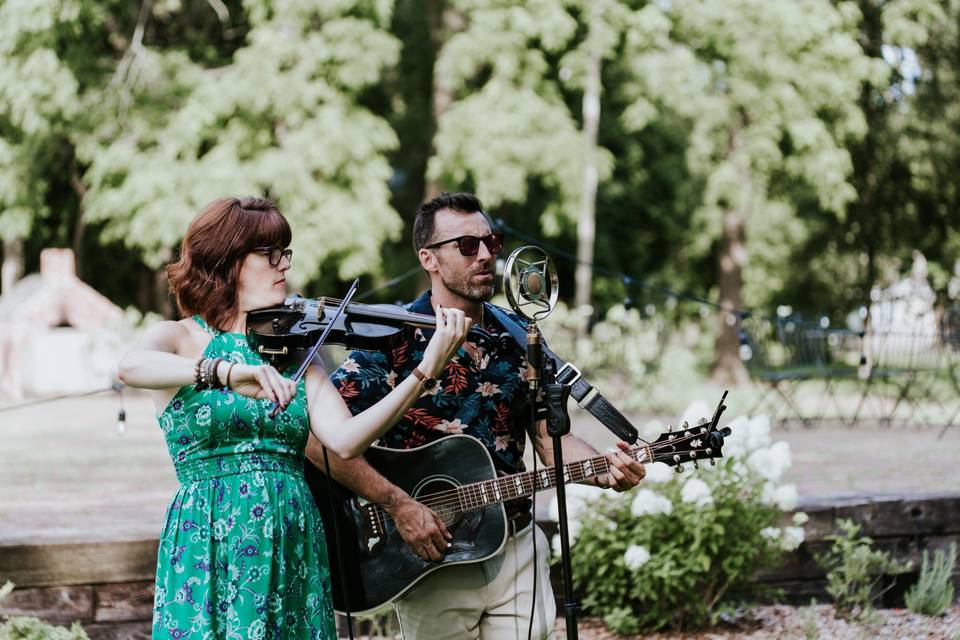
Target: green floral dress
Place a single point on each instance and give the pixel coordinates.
(242, 554)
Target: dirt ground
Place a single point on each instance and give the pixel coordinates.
(66, 474)
(779, 622)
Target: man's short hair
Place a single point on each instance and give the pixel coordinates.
(423, 225)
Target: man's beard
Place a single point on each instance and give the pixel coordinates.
(459, 283)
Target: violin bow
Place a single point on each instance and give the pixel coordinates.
(315, 349)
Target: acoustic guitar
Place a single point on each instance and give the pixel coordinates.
(455, 477)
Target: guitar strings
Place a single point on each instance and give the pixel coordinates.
(382, 515)
(452, 497)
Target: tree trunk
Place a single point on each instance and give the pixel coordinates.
(80, 190)
(445, 20)
(13, 264)
(586, 220)
(727, 367)
(164, 301)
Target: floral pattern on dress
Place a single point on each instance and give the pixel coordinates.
(242, 553)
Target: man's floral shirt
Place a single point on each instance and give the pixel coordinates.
(487, 399)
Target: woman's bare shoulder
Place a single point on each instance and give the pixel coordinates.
(174, 336)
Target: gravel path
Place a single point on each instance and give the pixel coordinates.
(818, 622)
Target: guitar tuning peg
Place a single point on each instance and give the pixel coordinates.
(669, 428)
(695, 465)
(686, 425)
(713, 462)
(679, 468)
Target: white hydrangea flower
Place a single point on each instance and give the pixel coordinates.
(697, 492)
(649, 502)
(770, 533)
(573, 530)
(770, 463)
(748, 435)
(579, 499)
(792, 538)
(697, 409)
(800, 518)
(651, 430)
(636, 556)
(786, 497)
(658, 472)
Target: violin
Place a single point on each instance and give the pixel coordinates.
(278, 332)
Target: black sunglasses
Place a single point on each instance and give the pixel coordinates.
(275, 254)
(470, 245)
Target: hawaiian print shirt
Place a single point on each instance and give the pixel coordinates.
(486, 399)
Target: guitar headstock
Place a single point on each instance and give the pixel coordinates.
(690, 444)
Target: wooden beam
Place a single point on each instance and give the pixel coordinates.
(79, 563)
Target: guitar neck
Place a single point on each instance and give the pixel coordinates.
(480, 495)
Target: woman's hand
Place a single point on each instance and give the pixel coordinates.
(452, 329)
(261, 382)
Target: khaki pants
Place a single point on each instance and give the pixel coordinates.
(487, 600)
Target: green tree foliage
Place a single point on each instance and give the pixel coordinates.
(509, 125)
(148, 112)
(757, 151)
(770, 92)
(284, 117)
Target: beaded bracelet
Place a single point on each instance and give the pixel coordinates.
(198, 375)
(205, 376)
(213, 382)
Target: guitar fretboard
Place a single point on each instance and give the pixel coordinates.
(480, 495)
(483, 494)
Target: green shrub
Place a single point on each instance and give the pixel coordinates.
(681, 549)
(855, 570)
(933, 593)
(29, 628)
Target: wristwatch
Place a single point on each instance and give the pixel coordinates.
(428, 382)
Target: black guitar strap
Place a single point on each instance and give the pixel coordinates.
(586, 395)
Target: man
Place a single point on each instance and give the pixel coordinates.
(482, 392)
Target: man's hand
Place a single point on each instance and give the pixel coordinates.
(625, 472)
(420, 528)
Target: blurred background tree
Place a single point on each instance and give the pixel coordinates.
(754, 152)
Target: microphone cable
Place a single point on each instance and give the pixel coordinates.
(533, 517)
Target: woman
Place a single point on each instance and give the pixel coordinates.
(242, 552)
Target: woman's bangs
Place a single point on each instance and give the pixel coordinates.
(272, 229)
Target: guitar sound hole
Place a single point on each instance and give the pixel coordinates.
(445, 506)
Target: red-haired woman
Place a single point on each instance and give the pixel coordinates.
(242, 552)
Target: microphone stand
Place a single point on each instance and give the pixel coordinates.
(555, 395)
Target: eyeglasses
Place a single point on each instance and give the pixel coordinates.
(470, 245)
(275, 254)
